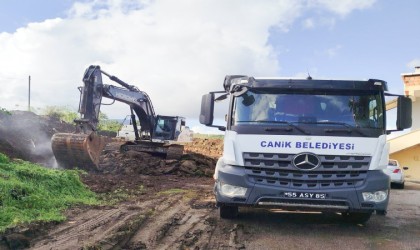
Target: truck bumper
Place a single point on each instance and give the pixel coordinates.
(332, 199)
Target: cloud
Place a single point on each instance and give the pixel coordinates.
(342, 7)
(308, 23)
(413, 63)
(332, 52)
(175, 51)
(319, 21)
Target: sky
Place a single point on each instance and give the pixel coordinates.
(176, 51)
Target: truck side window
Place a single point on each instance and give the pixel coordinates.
(375, 114)
(257, 111)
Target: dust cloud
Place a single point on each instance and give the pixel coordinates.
(27, 136)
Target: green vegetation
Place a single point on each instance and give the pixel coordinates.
(67, 115)
(187, 194)
(172, 191)
(120, 194)
(4, 111)
(31, 193)
(63, 113)
(105, 124)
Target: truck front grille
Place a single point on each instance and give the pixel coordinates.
(334, 172)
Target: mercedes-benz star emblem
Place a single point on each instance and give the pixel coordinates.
(306, 161)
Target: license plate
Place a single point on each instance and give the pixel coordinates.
(305, 195)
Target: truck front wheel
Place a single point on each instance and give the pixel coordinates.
(228, 212)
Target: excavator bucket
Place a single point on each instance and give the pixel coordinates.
(78, 150)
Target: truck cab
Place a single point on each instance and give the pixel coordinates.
(304, 144)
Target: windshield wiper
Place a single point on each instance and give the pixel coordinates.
(288, 123)
(331, 130)
(277, 128)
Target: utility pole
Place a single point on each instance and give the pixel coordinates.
(29, 95)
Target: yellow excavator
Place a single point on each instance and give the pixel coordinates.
(157, 135)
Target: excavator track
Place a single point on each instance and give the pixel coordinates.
(78, 150)
(166, 150)
(174, 152)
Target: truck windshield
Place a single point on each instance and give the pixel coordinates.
(363, 109)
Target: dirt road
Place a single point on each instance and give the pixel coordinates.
(184, 217)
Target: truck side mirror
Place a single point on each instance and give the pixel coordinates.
(404, 109)
(207, 109)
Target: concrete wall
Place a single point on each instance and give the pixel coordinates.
(412, 88)
(410, 158)
(406, 148)
(416, 114)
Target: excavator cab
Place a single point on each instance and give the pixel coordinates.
(168, 128)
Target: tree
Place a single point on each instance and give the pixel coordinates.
(67, 115)
(63, 113)
(4, 111)
(105, 124)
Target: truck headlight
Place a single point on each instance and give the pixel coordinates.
(377, 196)
(232, 191)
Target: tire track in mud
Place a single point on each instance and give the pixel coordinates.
(72, 233)
(181, 227)
(90, 228)
(165, 222)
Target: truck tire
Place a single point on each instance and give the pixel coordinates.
(401, 185)
(381, 212)
(228, 212)
(356, 217)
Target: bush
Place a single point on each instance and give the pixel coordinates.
(3, 158)
(61, 113)
(4, 111)
(106, 124)
(67, 115)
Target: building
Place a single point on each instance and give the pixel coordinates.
(406, 148)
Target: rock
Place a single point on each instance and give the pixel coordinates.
(17, 241)
(189, 165)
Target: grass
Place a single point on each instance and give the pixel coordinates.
(32, 193)
(187, 194)
(172, 191)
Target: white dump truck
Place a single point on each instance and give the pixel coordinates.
(304, 144)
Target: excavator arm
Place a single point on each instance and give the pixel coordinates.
(91, 97)
(139, 102)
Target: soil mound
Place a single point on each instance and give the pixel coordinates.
(192, 163)
(27, 136)
(211, 147)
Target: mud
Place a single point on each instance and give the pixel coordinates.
(182, 215)
(191, 163)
